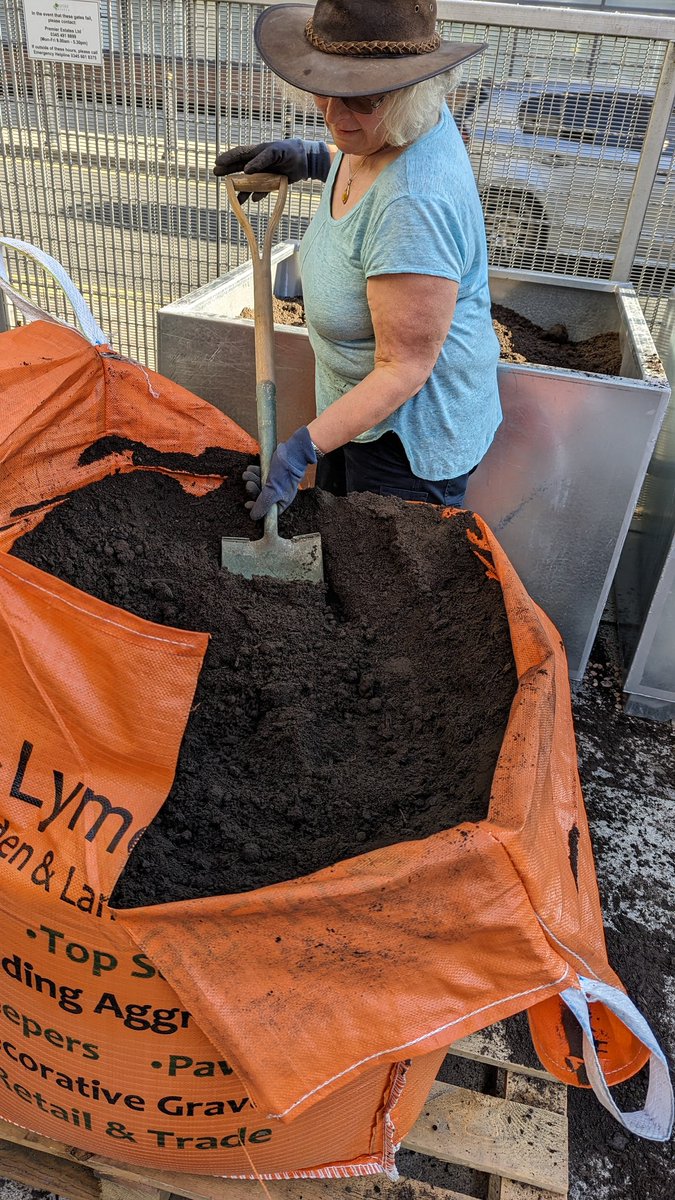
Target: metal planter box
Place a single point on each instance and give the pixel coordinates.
(560, 483)
(645, 579)
(561, 480)
(203, 344)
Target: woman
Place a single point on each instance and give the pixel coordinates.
(394, 263)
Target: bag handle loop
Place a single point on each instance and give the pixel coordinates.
(85, 319)
(655, 1120)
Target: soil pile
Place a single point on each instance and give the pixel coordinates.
(327, 721)
(284, 312)
(520, 340)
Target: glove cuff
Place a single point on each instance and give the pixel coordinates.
(298, 452)
(318, 160)
(305, 444)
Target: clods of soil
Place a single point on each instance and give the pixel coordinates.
(520, 340)
(628, 779)
(327, 721)
(284, 312)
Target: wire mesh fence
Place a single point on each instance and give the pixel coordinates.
(108, 168)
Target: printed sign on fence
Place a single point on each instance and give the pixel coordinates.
(64, 31)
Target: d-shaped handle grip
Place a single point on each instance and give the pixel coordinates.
(263, 182)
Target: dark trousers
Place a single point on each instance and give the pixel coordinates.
(382, 467)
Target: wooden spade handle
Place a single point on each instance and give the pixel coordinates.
(257, 183)
(261, 262)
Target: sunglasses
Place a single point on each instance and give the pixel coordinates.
(359, 104)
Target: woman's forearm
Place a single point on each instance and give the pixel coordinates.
(372, 400)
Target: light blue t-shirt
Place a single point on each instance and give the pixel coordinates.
(421, 216)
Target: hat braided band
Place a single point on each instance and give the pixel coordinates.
(371, 49)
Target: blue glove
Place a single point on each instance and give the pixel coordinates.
(293, 157)
(287, 469)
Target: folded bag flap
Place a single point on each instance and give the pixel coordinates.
(381, 958)
(93, 709)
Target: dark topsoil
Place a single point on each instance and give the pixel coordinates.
(326, 722)
(618, 756)
(520, 340)
(627, 767)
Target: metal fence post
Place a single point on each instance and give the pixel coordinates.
(645, 175)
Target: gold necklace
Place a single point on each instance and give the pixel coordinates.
(352, 174)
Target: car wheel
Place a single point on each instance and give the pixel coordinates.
(515, 227)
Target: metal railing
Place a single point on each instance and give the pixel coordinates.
(568, 121)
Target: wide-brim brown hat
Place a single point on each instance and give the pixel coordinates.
(357, 47)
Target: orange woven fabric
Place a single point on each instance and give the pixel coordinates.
(297, 1028)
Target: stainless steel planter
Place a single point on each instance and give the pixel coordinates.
(645, 579)
(205, 345)
(562, 478)
(560, 483)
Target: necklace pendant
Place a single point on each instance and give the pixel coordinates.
(345, 194)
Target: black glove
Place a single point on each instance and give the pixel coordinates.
(252, 477)
(287, 469)
(292, 157)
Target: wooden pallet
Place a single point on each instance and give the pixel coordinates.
(519, 1139)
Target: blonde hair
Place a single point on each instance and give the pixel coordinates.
(412, 111)
(405, 114)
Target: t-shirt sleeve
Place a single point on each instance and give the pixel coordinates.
(416, 235)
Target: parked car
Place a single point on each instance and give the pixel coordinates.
(556, 164)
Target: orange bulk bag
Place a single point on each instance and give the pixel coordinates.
(293, 1030)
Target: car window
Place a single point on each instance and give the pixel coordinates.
(466, 98)
(611, 118)
(604, 118)
(541, 114)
